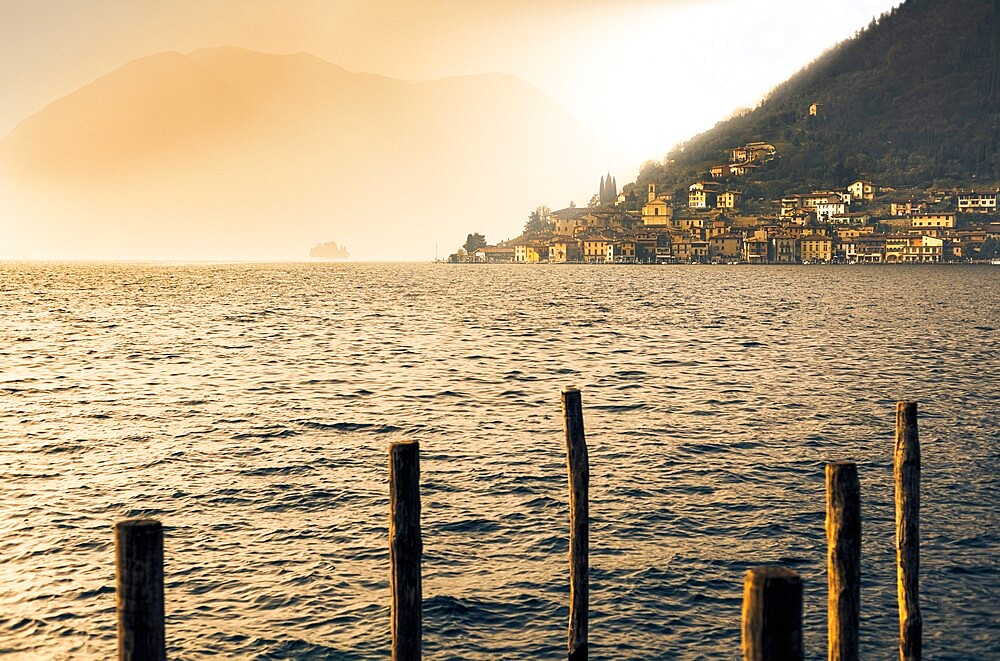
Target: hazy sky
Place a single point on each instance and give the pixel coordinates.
(643, 75)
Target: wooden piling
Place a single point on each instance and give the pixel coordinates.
(843, 560)
(405, 550)
(139, 590)
(578, 467)
(906, 469)
(772, 615)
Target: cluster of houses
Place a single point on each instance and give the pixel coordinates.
(819, 227)
(852, 225)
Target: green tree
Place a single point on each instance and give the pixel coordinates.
(990, 249)
(474, 242)
(538, 220)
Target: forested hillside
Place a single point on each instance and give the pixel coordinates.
(912, 101)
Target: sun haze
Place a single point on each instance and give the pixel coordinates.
(623, 82)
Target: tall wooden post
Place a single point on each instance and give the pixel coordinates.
(772, 615)
(405, 550)
(906, 469)
(578, 467)
(139, 590)
(843, 560)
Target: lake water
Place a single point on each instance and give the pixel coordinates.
(249, 407)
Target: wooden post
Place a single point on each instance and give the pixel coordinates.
(906, 462)
(139, 590)
(578, 467)
(843, 560)
(772, 615)
(405, 550)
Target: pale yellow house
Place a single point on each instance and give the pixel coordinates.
(702, 195)
(529, 253)
(595, 249)
(729, 199)
(564, 250)
(932, 220)
(815, 248)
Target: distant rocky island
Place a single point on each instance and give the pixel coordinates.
(329, 250)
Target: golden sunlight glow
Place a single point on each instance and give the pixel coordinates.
(637, 76)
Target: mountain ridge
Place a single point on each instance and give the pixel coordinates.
(223, 138)
(913, 100)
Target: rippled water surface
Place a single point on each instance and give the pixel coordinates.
(249, 407)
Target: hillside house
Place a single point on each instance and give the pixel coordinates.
(567, 220)
(743, 169)
(850, 218)
(973, 202)
(720, 171)
(751, 152)
(932, 220)
(907, 207)
(862, 190)
(729, 199)
(702, 195)
(825, 211)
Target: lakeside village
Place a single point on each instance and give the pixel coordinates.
(858, 224)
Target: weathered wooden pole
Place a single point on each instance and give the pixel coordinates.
(772, 615)
(578, 467)
(139, 590)
(906, 469)
(843, 560)
(405, 550)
